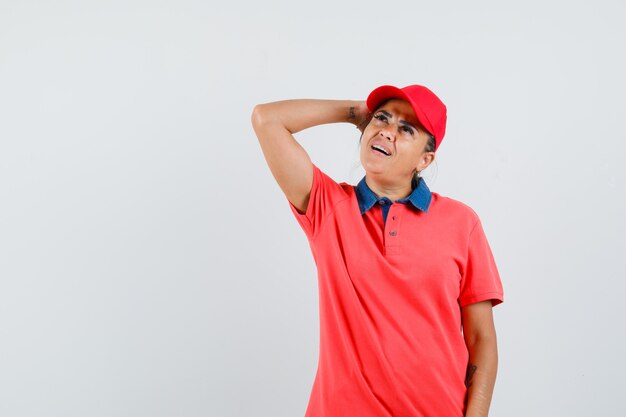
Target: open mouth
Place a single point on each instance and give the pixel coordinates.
(381, 150)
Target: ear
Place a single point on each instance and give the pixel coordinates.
(425, 160)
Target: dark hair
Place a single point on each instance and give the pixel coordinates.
(430, 147)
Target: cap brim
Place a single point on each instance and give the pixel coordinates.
(383, 93)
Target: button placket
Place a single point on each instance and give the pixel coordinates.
(392, 241)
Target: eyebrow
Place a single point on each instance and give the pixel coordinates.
(402, 122)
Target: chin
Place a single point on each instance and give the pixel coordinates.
(372, 167)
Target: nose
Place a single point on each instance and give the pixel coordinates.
(388, 132)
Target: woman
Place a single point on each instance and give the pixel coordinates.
(406, 278)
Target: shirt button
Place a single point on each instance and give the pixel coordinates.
(392, 233)
(381, 202)
(393, 217)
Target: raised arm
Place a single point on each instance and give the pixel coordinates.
(275, 123)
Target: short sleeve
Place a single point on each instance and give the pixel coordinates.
(325, 194)
(480, 280)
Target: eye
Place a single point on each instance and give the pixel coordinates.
(407, 129)
(381, 117)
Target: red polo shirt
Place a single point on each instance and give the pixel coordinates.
(390, 294)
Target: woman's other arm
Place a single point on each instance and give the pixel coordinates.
(275, 123)
(480, 337)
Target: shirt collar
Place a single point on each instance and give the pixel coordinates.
(420, 197)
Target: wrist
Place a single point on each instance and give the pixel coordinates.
(358, 114)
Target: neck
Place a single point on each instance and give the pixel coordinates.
(393, 191)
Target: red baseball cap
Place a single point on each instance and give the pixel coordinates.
(429, 109)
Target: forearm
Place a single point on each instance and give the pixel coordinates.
(299, 114)
(481, 376)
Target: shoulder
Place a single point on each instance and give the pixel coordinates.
(454, 210)
(326, 193)
(332, 186)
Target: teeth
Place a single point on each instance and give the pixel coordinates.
(380, 148)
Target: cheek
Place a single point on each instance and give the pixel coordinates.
(362, 147)
(412, 151)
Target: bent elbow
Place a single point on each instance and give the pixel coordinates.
(259, 115)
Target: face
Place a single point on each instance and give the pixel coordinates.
(393, 143)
